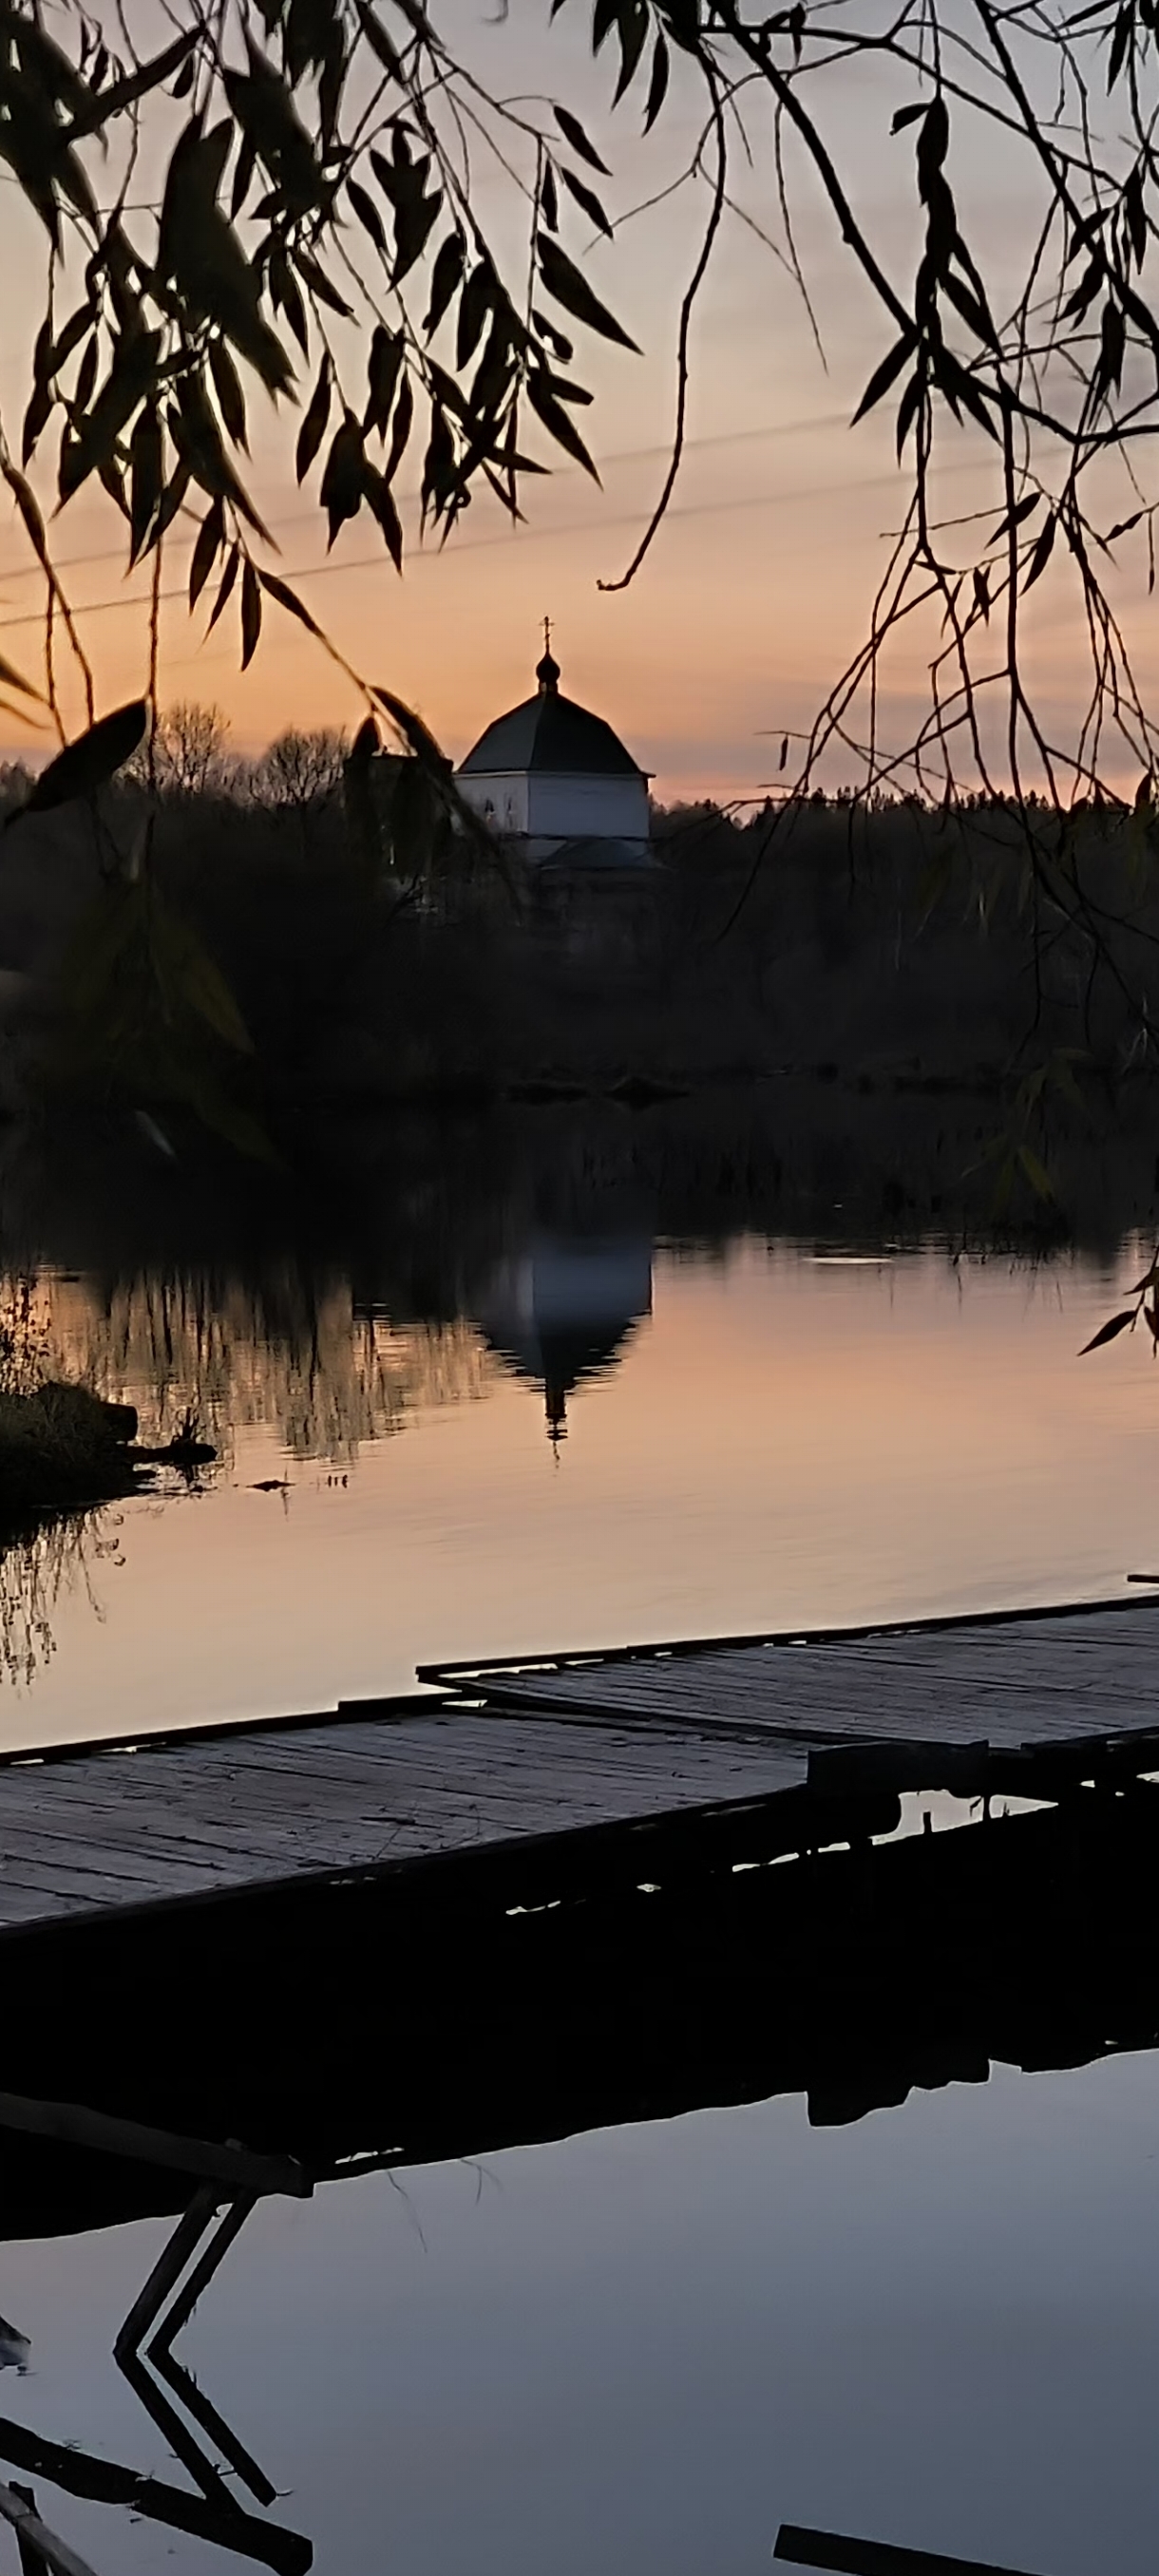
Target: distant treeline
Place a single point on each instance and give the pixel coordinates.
(191, 757)
(885, 942)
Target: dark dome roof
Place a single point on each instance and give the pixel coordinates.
(552, 733)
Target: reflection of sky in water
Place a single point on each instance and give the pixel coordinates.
(642, 2350)
(777, 1442)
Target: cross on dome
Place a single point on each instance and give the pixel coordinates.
(547, 671)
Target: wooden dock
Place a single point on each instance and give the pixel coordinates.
(524, 1751)
(538, 1896)
(572, 1891)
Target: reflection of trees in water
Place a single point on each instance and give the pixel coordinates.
(24, 1352)
(290, 1353)
(286, 1354)
(46, 1556)
(40, 1564)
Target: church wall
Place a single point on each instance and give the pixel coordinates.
(501, 800)
(575, 809)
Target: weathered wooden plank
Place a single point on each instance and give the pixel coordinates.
(129, 1829)
(802, 1693)
(21, 1907)
(812, 1707)
(1065, 1671)
(234, 2168)
(325, 1842)
(117, 1857)
(94, 1886)
(1042, 1618)
(845, 1670)
(1069, 1676)
(217, 1731)
(39, 2547)
(1134, 1640)
(69, 1855)
(194, 1796)
(506, 1768)
(50, 1907)
(210, 1848)
(1118, 1638)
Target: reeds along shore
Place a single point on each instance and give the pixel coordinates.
(867, 944)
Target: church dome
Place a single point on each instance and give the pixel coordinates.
(550, 733)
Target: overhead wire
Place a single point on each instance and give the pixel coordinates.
(622, 456)
(509, 536)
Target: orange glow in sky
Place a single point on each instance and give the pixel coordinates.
(759, 586)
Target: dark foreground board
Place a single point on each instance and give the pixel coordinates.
(507, 1754)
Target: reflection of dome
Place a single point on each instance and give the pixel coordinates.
(560, 1310)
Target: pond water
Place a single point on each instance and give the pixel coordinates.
(574, 1417)
(645, 2349)
(528, 1427)
(778, 1439)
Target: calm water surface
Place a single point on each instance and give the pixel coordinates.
(643, 2350)
(751, 1436)
(638, 2350)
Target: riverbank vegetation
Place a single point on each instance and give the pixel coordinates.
(60, 1445)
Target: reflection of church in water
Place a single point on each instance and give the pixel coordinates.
(560, 1310)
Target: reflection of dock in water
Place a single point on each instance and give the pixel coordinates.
(561, 1309)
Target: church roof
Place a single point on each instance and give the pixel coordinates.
(549, 732)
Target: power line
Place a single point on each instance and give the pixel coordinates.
(521, 536)
(622, 456)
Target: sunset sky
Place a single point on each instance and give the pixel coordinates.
(759, 585)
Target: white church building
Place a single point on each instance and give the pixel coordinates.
(558, 785)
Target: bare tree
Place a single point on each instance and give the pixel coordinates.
(300, 769)
(188, 750)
